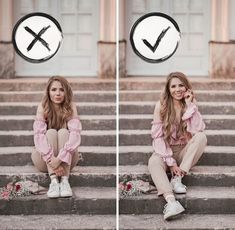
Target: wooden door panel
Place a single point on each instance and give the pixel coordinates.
(79, 22)
(193, 18)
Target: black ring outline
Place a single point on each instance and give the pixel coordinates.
(15, 30)
(133, 31)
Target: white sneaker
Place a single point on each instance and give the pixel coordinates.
(172, 209)
(65, 189)
(177, 185)
(54, 190)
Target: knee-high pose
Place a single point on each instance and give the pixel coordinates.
(178, 140)
(57, 130)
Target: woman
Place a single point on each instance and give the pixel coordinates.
(178, 140)
(57, 136)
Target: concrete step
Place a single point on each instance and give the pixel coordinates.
(192, 221)
(156, 83)
(89, 122)
(79, 96)
(198, 176)
(87, 176)
(92, 156)
(84, 108)
(143, 121)
(108, 122)
(110, 96)
(89, 138)
(142, 137)
(85, 201)
(133, 107)
(198, 200)
(69, 221)
(106, 156)
(213, 155)
(154, 95)
(38, 84)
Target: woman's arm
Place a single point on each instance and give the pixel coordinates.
(159, 144)
(40, 139)
(192, 116)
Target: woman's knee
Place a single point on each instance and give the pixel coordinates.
(154, 161)
(63, 136)
(63, 133)
(52, 137)
(52, 132)
(201, 138)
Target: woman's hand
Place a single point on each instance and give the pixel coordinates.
(54, 162)
(188, 96)
(175, 170)
(59, 171)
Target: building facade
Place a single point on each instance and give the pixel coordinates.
(206, 48)
(207, 37)
(88, 29)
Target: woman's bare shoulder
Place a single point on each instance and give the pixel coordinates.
(156, 115)
(74, 108)
(40, 111)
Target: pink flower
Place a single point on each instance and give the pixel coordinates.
(10, 186)
(121, 186)
(5, 195)
(128, 187)
(18, 187)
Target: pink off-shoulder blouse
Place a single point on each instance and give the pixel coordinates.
(194, 123)
(42, 145)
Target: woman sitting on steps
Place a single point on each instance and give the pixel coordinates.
(57, 135)
(178, 140)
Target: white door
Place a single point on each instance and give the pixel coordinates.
(79, 23)
(193, 18)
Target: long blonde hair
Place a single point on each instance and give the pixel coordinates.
(57, 119)
(167, 110)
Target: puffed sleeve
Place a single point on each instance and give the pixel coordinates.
(159, 144)
(75, 128)
(193, 119)
(40, 139)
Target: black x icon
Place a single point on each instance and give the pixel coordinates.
(37, 37)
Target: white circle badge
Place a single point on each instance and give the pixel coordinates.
(155, 37)
(37, 37)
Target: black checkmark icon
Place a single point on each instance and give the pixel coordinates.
(153, 48)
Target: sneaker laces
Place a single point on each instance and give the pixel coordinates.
(65, 185)
(53, 187)
(166, 207)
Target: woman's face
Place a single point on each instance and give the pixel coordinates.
(57, 93)
(177, 89)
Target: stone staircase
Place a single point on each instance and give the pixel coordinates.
(210, 200)
(93, 205)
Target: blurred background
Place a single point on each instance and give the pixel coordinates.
(88, 47)
(207, 46)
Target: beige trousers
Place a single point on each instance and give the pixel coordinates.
(57, 140)
(186, 157)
